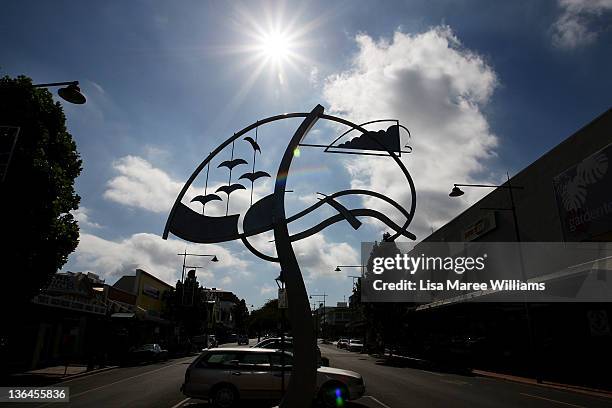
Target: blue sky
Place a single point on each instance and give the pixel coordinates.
(485, 87)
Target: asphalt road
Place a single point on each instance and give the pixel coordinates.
(158, 385)
(399, 387)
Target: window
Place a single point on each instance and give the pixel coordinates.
(218, 360)
(255, 360)
(276, 359)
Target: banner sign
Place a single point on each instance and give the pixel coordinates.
(584, 197)
(150, 291)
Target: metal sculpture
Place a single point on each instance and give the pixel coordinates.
(268, 214)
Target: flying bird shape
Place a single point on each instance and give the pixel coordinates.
(253, 143)
(231, 188)
(205, 199)
(254, 176)
(230, 164)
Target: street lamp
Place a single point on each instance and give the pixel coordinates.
(457, 192)
(324, 296)
(184, 255)
(338, 269)
(71, 93)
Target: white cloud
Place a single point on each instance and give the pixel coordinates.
(317, 257)
(266, 290)
(82, 216)
(141, 185)
(113, 259)
(572, 28)
(437, 89)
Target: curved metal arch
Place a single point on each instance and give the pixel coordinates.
(357, 212)
(275, 118)
(344, 193)
(256, 251)
(333, 219)
(398, 162)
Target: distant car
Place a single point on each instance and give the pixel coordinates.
(355, 345)
(212, 341)
(148, 352)
(275, 343)
(243, 339)
(342, 343)
(225, 375)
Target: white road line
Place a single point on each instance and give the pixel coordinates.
(434, 373)
(85, 376)
(115, 382)
(552, 400)
(180, 403)
(376, 401)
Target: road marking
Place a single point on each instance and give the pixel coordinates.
(377, 401)
(180, 403)
(434, 373)
(86, 376)
(456, 382)
(552, 400)
(113, 383)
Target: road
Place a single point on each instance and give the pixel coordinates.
(158, 385)
(399, 387)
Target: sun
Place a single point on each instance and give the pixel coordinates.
(276, 46)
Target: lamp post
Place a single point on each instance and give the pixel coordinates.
(280, 282)
(457, 192)
(324, 296)
(351, 276)
(71, 93)
(185, 255)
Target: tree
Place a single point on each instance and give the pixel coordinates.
(241, 314)
(384, 320)
(38, 191)
(267, 318)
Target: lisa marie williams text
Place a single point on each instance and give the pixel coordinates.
(428, 285)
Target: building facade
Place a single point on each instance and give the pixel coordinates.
(565, 196)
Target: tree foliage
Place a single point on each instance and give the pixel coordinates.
(267, 318)
(241, 315)
(38, 192)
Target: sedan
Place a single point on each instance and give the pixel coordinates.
(226, 375)
(355, 345)
(148, 352)
(342, 344)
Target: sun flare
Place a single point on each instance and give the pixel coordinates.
(275, 46)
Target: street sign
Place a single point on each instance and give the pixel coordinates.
(282, 299)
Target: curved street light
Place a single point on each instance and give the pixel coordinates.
(70, 93)
(457, 192)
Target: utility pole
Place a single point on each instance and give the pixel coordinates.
(324, 296)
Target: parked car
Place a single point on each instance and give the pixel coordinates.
(355, 345)
(342, 343)
(273, 340)
(275, 343)
(225, 375)
(212, 341)
(243, 339)
(147, 352)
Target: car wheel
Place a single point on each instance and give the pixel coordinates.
(224, 397)
(332, 396)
